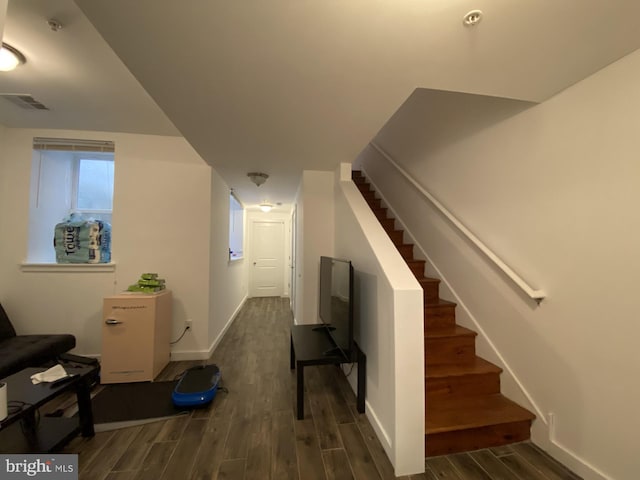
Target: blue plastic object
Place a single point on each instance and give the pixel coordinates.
(197, 387)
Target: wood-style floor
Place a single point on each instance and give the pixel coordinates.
(251, 431)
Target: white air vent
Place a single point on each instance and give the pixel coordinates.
(24, 101)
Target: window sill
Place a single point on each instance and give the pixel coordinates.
(235, 259)
(67, 267)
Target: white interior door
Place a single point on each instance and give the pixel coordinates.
(267, 262)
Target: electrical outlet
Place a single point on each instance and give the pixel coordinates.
(188, 323)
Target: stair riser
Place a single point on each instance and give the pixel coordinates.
(369, 195)
(460, 350)
(389, 224)
(366, 191)
(406, 251)
(454, 387)
(380, 213)
(436, 316)
(417, 267)
(476, 438)
(374, 203)
(431, 292)
(397, 237)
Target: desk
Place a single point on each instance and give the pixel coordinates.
(309, 346)
(23, 432)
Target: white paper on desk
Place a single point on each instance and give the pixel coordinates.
(54, 373)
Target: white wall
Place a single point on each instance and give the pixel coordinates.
(3, 15)
(227, 279)
(388, 328)
(161, 223)
(554, 192)
(315, 234)
(3, 174)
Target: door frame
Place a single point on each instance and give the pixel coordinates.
(272, 217)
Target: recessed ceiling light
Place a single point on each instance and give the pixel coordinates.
(10, 58)
(472, 18)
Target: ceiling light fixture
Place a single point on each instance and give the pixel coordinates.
(472, 18)
(54, 24)
(10, 58)
(265, 207)
(257, 177)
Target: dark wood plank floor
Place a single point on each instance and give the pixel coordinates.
(251, 431)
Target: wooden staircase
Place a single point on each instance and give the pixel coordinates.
(464, 407)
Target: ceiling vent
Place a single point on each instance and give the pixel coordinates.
(24, 101)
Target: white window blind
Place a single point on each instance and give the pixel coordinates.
(73, 145)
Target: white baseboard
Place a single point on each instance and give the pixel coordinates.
(206, 354)
(189, 355)
(543, 435)
(381, 433)
(370, 412)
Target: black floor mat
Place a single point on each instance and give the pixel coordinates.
(126, 402)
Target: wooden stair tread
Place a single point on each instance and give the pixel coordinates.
(478, 367)
(473, 412)
(452, 331)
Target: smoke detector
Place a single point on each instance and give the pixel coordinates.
(472, 18)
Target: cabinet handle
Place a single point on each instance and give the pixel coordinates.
(112, 322)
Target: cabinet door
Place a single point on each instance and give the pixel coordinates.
(127, 339)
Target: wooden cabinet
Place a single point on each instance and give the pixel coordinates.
(136, 330)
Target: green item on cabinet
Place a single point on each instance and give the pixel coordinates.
(148, 283)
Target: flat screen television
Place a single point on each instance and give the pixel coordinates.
(336, 304)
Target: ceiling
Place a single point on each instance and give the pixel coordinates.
(281, 86)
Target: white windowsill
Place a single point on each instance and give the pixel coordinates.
(235, 259)
(67, 267)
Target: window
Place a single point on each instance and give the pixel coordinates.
(93, 186)
(67, 176)
(236, 228)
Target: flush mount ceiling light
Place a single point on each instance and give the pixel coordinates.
(265, 207)
(257, 177)
(472, 18)
(10, 58)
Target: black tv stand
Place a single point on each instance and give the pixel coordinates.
(335, 351)
(311, 345)
(323, 327)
